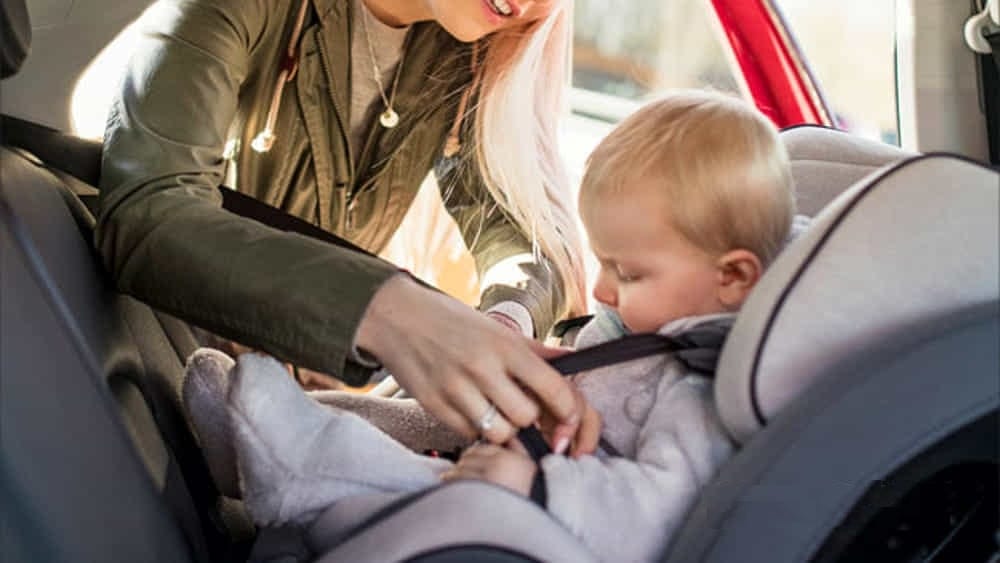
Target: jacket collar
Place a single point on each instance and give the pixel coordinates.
(431, 49)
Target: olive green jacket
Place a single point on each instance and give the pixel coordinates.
(195, 94)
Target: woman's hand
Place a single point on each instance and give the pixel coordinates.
(509, 467)
(456, 362)
(505, 321)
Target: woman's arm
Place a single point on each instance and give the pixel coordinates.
(162, 232)
(165, 239)
(502, 251)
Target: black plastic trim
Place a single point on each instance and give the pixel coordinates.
(461, 552)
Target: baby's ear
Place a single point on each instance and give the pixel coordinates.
(739, 271)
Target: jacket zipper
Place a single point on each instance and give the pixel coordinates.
(366, 152)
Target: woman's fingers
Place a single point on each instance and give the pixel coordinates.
(486, 417)
(459, 361)
(502, 389)
(547, 352)
(448, 415)
(554, 392)
(588, 434)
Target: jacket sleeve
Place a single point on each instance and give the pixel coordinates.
(495, 240)
(161, 230)
(627, 510)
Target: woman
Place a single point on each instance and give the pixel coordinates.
(334, 111)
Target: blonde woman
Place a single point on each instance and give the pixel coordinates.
(334, 111)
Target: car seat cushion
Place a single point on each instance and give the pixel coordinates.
(460, 513)
(825, 161)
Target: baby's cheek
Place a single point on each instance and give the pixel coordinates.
(643, 315)
(631, 316)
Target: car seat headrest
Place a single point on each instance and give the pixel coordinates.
(826, 161)
(15, 36)
(910, 243)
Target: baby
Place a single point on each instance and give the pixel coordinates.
(685, 203)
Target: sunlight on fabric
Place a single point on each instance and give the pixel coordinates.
(97, 85)
(429, 245)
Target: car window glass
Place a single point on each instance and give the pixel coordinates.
(627, 52)
(849, 46)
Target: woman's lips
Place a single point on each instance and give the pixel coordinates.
(499, 10)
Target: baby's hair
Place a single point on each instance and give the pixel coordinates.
(723, 171)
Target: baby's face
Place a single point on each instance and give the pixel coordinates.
(650, 274)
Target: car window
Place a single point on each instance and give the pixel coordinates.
(632, 50)
(623, 54)
(850, 47)
(627, 52)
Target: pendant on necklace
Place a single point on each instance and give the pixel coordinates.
(389, 118)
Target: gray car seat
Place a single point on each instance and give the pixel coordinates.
(861, 380)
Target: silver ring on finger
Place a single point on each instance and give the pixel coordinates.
(489, 417)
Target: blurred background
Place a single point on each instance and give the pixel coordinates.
(625, 52)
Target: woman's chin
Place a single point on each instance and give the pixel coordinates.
(468, 33)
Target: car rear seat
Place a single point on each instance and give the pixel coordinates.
(98, 462)
(79, 483)
(136, 353)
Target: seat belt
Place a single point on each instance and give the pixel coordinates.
(252, 208)
(80, 158)
(697, 350)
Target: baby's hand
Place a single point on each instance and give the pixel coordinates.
(587, 435)
(580, 438)
(507, 466)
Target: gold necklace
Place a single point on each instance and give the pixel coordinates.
(388, 118)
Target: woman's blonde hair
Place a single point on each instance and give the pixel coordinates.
(719, 163)
(523, 82)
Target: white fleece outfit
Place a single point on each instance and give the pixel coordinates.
(297, 456)
(661, 418)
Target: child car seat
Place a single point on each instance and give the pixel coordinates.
(860, 379)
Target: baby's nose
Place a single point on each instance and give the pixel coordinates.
(605, 295)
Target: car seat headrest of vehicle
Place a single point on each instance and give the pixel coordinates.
(910, 243)
(825, 161)
(15, 36)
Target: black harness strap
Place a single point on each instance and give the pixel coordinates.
(630, 347)
(242, 204)
(697, 350)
